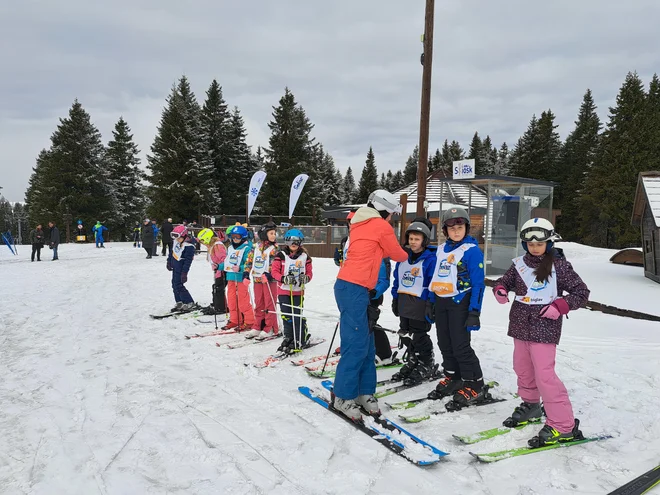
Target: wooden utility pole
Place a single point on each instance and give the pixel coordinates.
(425, 116)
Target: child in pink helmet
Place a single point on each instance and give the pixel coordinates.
(178, 262)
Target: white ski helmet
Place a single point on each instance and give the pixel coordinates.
(384, 200)
(539, 230)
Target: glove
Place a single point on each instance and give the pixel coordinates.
(501, 294)
(289, 279)
(395, 307)
(372, 316)
(429, 312)
(555, 310)
(214, 266)
(303, 279)
(169, 265)
(472, 323)
(246, 282)
(372, 294)
(264, 278)
(184, 277)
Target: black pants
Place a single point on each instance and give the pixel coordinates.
(383, 348)
(219, 302)
(421, 345)
(36, 249)
(293, 306)
(169, 245)
(454, 339)
(149, 250)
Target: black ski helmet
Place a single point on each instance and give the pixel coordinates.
(263, 230)
(421, 228)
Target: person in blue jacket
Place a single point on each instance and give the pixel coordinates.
(154, 251)
(178, 262)
(98, 230)
(413, 303)
(458, 283)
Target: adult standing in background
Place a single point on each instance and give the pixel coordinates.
(156, 230)
(54, 241)
(166, 230)
(38, 239)
(148, 237)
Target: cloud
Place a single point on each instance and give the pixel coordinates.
(354, 66)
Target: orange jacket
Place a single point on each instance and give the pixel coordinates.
(370, 240)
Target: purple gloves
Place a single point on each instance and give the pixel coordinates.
(555, 310)
(501, 294)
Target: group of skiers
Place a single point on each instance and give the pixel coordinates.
(146, 236)
(445, 285)
(442, 285)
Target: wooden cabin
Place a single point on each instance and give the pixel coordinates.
(646, 215)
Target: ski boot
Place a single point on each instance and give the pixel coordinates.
(177, 307)
(405, 370)
(369, 404)
(446, 387)
(348, 407)
(549, 436)
(252, 333)
(188, 307)
(422, 372)
(267, 333)
(286, 346)
(230, 325)
(471, 393)
(525, 413)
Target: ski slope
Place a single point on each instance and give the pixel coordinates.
(97, 397)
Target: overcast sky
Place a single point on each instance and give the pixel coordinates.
(353, 65)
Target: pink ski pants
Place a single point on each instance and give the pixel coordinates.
(534, 363)
(265, 296)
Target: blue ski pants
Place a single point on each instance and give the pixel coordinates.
(181, 294)
(356, 372)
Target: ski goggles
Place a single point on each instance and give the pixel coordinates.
(293, 242)
(176, 235)
(538, 234)
(455, 221)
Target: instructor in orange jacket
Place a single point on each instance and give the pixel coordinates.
(371, 239)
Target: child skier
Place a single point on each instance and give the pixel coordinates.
(136, 235)
(539, 279)
(458, 284)
(412, 301)
(292, 267)
(98, 230)
(178, 262)
(258, 266)
(238, 298)
(216, 252)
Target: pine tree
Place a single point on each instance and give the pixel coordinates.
(653, 110)
(537, 154)
(435, 161)
(502, 166)
(239, 166)
(487, 157)
(218, 121)
(522, 155)
(182, 174)
(290, 153)
(349, 191)
(577, 158)
(125, 179)
(389, 180)
(397, 181)
(455, 153)
(410, 170)
(330, 181)
(382, 182)
(475, 153)
(368, 179)
(70, 177)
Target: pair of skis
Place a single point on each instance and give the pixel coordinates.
(280, 356)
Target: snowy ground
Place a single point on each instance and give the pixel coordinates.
(96, 397)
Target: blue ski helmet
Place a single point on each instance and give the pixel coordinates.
(294, 235)
(239, 230)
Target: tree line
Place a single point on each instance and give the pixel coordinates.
(200, 163)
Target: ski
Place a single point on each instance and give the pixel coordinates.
(169, 314)
(384, 432)
(640, 485)
(516, 452)
(480, 436)
(315, 367)
(303, 362)
(246, 342)
(406, 404)
(279, 356)
(329, 373)
(398, 388)
(212, 334)
(424, 417)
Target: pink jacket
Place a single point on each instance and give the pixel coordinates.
(216, 255)
(277, 271)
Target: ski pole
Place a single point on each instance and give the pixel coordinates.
(327, 356)
(277, 309)
(215, 312)
(293, 319)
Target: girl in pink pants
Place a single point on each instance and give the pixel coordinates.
(546, 288)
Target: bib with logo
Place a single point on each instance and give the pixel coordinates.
(177, 249)
(411, 278)
(537, 292)
(261, 260)
(445, 277)
(296, 268)
(234, 257)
